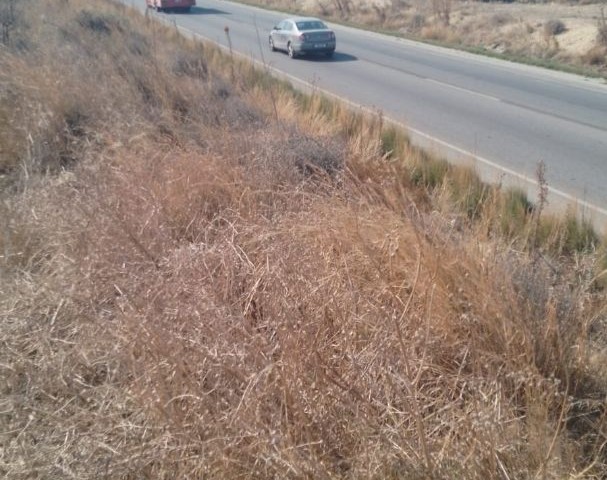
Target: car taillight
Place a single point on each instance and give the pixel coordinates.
(331, 35)
(302, 37)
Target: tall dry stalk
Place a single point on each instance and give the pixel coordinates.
(227, 280)
(442, 11)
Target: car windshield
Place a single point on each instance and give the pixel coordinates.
(311, 25)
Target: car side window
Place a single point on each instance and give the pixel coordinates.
(288, 26)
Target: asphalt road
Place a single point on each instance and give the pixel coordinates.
(502, 117)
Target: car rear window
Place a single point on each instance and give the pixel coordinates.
(311, 25)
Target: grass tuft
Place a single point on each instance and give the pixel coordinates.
(554, 27)
(230, 279)
(429, 172)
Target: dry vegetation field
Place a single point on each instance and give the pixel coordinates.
(560, 34)
(204, 274)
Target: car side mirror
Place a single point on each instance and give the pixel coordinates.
(275, 28)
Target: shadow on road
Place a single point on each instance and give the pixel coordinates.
(337, 57)
(202, 11)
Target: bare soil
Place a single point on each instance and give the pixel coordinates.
(520, 29)
(502, 20)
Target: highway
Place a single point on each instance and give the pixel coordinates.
(501, 117)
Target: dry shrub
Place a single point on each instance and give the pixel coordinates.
(330, 311)
(442, 11)
(12, 141)
(601, 36)
(11, 13)
(188, 301)
(66, 98)
(500, 19)
(191, 64)
(437, 32)
(417, 22)
(554, 27)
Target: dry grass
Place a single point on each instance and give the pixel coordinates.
(180, 299)
(562, 34)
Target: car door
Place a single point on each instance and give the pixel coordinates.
(287, 32)
(278, 35)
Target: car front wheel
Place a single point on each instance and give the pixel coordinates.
(290, 51)
(272, 47)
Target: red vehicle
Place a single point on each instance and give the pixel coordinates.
(166, 5)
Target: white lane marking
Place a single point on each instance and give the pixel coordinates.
(314, 88)
(462, 89)
(590, 84)
(506, 170)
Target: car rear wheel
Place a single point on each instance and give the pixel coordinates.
(272, 47)
(290, 51)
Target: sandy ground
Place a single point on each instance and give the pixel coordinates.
(504, 27)
(580, 21)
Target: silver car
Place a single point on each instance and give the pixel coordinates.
(299, 36)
